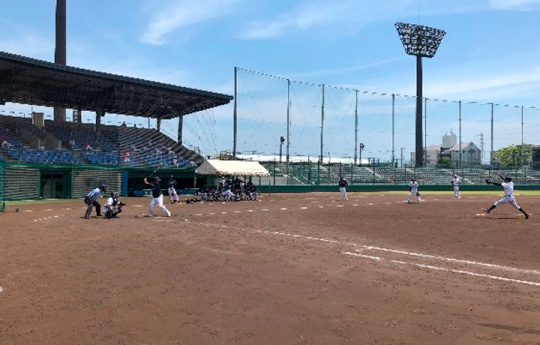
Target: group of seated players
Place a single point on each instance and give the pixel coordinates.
(229, 190)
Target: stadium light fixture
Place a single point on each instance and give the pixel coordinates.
(420, 41)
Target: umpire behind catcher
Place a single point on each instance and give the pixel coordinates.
(91, 200)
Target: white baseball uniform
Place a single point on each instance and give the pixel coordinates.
(456, 182)
(414, 190)
(508, 197)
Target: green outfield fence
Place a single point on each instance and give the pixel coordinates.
(312, 176)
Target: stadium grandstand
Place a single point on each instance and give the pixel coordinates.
(55, 158)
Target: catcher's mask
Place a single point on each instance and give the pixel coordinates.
(114, 195)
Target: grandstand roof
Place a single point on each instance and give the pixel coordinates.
(29, 81)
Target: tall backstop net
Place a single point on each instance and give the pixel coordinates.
(283, 118)
(2, 185)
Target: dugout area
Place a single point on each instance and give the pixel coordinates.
(36, 182)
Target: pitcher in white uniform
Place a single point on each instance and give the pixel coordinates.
(508, 197)
(415, 189)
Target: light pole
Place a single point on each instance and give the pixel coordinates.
(281, 141)
(361, 149)
(420, 41)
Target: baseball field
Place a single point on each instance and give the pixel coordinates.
(288, 269)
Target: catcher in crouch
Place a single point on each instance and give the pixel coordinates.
(508, 186)
(113, 206)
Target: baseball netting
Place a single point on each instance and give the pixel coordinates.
(2, 186)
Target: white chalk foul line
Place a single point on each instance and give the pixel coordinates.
(489, 276)
(442, 258)
(46, 218)
(425, 256)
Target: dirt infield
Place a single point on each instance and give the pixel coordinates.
(289, 269)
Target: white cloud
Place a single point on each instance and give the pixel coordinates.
(344, 70)
(350, 15)
(520, 5)
(35, 46)
(181, 14)
(303, 17)
(487, 82)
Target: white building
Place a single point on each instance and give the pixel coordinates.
(450, 148)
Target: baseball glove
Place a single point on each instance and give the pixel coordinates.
(488, 181)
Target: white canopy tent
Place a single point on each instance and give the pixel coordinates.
(216, 167)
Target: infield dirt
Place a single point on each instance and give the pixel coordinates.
(289, 269)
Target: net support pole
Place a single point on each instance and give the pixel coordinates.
(355, 126)
(322, 126)
(491, 150)
(522, 158)
(393, 129)
(235, 111)
(425, 131)
(288, 121)
(180, 128)
(460, 148)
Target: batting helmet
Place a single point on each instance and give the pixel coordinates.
(157, 179)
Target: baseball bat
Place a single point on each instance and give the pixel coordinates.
(153, 172)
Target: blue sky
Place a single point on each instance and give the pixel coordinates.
(490, 52)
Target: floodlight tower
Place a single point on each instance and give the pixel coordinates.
(420, 41)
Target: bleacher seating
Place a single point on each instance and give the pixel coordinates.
(66, 143)
(25, 155)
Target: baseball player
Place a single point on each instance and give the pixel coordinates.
(415, 190)
(91, 200)
(456, 182)
(508, 198)
(112, 206)
(173, 196)
(343, 188)
(157, 196)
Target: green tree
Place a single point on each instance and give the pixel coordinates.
(443, 162)
(510, 156)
